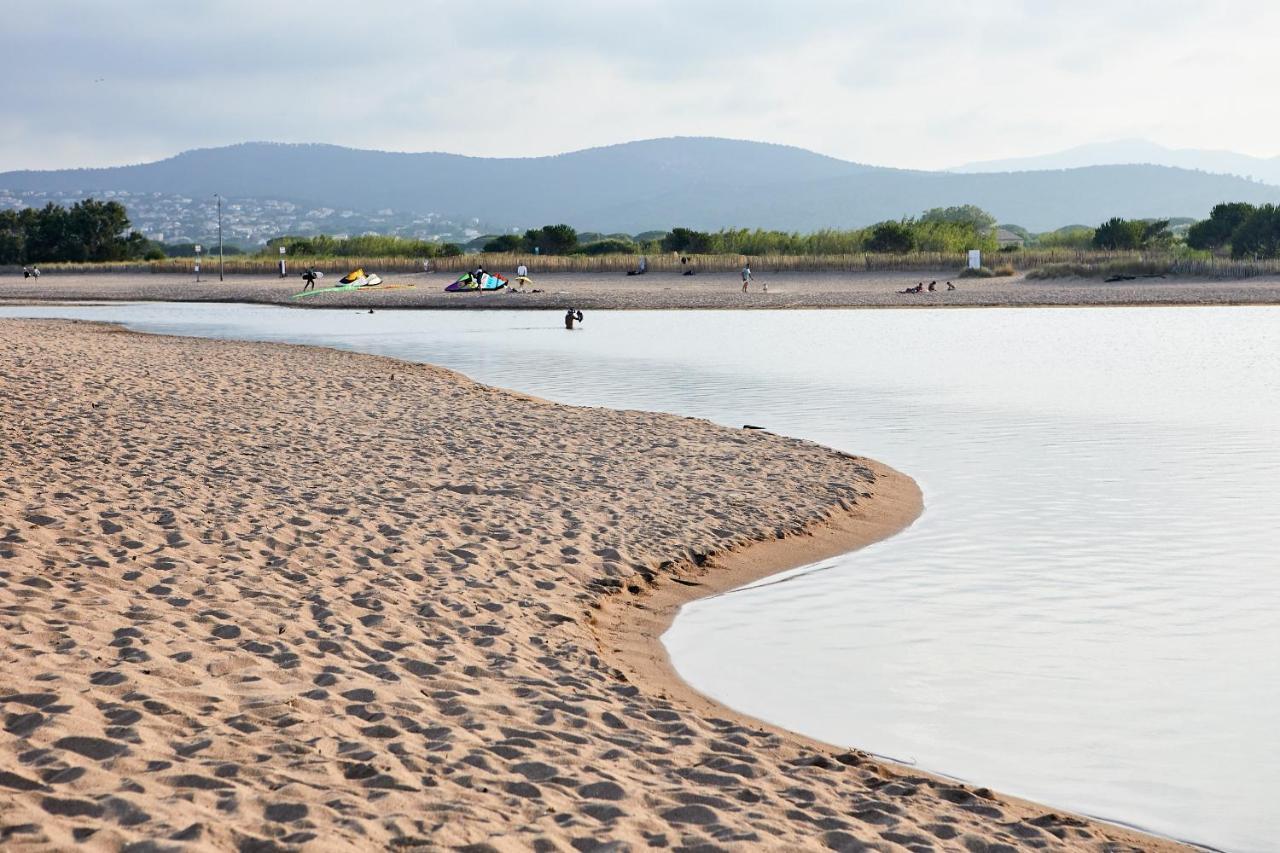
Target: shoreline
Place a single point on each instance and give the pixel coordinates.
(709, 291)
(625, 627)
(629, 630)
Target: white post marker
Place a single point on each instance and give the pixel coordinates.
(197, 262)
(975, 259)
(282, 273)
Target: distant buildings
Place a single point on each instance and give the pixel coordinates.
(251, 222)
(1006, 238)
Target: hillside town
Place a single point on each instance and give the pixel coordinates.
(252, 222)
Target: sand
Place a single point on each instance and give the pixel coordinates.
(264, 597)
(658, 290)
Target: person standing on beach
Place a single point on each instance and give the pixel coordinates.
(746, 276)
(522, 271)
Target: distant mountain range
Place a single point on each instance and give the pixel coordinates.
(702, 183)
(1129, 151)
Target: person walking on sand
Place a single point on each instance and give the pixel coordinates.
(310, 278)
(746, 276)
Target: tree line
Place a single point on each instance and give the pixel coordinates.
(89, 230)
(93, 230)
(951, 229)
(362, 246)
(1246, 230)
(1243, 230)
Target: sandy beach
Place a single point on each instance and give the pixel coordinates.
(658, 291)
(267, 597)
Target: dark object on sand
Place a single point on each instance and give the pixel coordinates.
(751, 426)
(1134, 277)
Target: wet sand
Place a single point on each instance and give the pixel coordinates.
(659, 291)
(266, 597)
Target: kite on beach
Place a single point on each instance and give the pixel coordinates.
(357, 279)
(471, 282)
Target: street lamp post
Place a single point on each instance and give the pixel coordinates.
(220, 257)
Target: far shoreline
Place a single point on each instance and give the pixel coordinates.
(658, 291)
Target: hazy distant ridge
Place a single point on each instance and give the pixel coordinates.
(1138, 151)
(699, 182)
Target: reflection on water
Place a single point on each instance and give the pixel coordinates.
(1086, 612)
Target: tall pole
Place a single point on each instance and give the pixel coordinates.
(220, 257)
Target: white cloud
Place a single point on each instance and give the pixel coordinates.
(918, 84)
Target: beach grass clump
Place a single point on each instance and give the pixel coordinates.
(1102, 270)
(977, 272)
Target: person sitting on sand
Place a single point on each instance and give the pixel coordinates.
(933, 285)
(950, 286)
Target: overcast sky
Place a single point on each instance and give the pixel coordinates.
(916, 83)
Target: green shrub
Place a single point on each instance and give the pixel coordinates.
(607, 247)
(504, 243)
(687, 240)
(980, 272)
(893, 237)
(551, 239)
(1102, 270)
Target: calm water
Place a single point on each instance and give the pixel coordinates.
(1086, 613)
